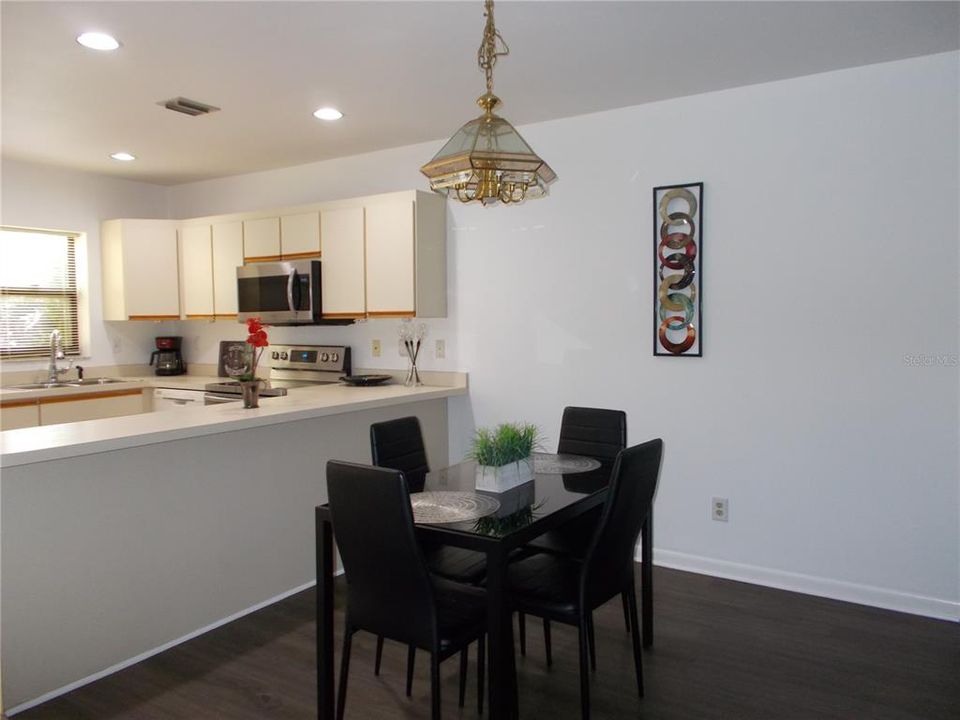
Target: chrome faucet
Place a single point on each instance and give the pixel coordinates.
(56, 353)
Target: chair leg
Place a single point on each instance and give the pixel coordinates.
(626, 611)
(635, 634)
(481, 671)
(522, 622)
(344, 671)
(435, 685)
(464, 657)
(584, 669)
(379, 656)
(411, 657)
(593, 642)
(547, 644)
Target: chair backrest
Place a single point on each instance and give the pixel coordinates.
(389, 587)
(609, 561)
(398, 444)
(594, 432)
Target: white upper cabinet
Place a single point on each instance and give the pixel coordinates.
(406, 257)
(300, 236)
(196, 278)
(390, 260)
(261, 240)
(140, 273)
(342, 280)
(382, 256)
(227, 256)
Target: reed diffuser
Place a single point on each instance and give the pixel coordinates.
(411, 335)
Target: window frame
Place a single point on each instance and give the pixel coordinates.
(81, 291)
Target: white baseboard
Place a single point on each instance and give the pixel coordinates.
(810, 585)
(149, 653)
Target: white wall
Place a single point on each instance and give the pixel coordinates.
(39, 196)
(831, 254)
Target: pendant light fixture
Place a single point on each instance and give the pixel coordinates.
(487, 160)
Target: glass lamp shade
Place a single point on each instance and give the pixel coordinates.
(488, 161)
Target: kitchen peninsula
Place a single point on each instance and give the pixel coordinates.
(160, 526)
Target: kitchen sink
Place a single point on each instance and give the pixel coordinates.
(39, 386)
(93, 381)
(86, 382)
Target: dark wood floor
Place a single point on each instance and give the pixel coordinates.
(723, 650)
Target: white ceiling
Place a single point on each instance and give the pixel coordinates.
(402, 72)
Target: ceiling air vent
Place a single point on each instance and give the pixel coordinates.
(188, 107)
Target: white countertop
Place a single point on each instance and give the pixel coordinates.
(52, 442)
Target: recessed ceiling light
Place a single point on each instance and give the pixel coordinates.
(123, 156)
(328, 113)
(98, 41)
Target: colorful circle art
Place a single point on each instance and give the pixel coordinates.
(677, 310)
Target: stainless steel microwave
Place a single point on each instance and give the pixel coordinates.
(283, 293)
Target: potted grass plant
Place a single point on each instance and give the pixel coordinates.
(504, 455)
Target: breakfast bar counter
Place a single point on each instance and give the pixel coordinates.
(125, 536)
(37, 444)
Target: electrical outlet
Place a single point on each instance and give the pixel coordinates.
(440, 349)
(375, 347)
(117, 344)
(720, 509)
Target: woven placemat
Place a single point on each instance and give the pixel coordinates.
(447, 506)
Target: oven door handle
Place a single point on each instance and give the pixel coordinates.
(218, 399)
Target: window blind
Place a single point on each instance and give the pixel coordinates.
(38, 293)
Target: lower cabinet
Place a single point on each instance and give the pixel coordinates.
(74, 408)
(19, 414)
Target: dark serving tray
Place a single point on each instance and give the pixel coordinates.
(366, 379)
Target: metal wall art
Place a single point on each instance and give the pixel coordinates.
(677, 273)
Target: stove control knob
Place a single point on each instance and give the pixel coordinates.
(283, 356)
(275, 355)
(335, 357)
(324, 357)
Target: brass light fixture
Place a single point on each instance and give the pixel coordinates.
(487, 160)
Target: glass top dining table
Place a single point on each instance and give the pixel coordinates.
(563, 487)
(512, 517)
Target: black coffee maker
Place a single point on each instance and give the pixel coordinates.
(167, 356)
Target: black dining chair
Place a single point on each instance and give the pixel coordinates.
(390, 591)
(601, 434)
(398, 444)
(567, 589)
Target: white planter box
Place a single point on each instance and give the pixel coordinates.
(498, 479)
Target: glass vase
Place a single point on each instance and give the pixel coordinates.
(251, 393)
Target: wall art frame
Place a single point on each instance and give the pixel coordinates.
(678, 253)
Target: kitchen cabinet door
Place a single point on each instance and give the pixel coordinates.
(227, 256)
(261, 240)
(19, 414)
(196, 272)
(140, 270)
(300, 236)
(390, 259)
(106, 405)
(343, 284)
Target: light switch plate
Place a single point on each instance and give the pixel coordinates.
(440, 349)
(375, 348)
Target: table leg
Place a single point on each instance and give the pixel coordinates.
(500, 658)
(325, 693)
(646, 580)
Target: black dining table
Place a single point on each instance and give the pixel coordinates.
(525, 512)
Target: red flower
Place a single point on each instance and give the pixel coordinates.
(257, 333)
(258, 339)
